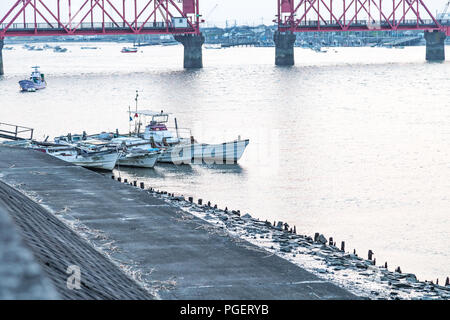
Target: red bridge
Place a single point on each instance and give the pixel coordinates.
(100, 17)
(182, 19)
(356, 15)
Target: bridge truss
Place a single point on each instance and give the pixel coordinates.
(356, 15)
(99, 17)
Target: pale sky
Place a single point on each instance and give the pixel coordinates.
(250, 12)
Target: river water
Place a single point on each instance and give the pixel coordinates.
(353, 143)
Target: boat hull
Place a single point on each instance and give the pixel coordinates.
(101, 161)
(176, 155)
(28, 86)
(223, 153)
(140, 161)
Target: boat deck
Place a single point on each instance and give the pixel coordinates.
(178, 255)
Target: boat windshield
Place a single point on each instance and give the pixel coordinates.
(159, 119)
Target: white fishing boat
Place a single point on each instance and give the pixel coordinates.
(102, 159)
(184, 150)
(179, 146)
(213, 46)
(129, 50)
(36, 82)
(136, 152)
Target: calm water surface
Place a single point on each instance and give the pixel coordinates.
(353, 143)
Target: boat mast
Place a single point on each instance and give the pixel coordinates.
(129, 120)
(136, 118)
(176, 128)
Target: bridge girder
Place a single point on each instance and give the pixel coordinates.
(356, 15)
(100, 17)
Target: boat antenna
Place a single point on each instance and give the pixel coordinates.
(135, 115)
(136, 99)
(129, 120)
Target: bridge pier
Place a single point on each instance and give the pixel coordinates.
(435, 45)
(193, 57)
(284, 48)
(1, 56)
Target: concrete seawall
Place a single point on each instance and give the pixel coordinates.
(174, 254)
(55, 247)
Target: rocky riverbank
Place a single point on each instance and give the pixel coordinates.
(314, 253)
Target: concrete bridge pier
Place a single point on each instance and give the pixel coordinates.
(284, 48)
(192, 43)
(1, 56)
(435, 45)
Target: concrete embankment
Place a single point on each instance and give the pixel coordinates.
(55, 247)
(20, 275)
(172, 253)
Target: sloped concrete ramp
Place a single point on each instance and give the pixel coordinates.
(180, 256)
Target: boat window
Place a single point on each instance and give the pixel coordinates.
(160, 119)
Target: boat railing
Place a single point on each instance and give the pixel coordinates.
(182, 132)
(15, 132)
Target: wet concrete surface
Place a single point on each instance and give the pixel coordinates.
(180, 256)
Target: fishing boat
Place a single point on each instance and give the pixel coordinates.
(101, 158)
(129, 50)
(180, 149)
(178, 146)
(136, 152)
(214, 46)
(36, 82)
(59, 49)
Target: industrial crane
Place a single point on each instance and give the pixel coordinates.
(443, 13)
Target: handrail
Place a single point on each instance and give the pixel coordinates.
(17, 130)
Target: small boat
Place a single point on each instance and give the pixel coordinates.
(177, 149)
(169, 43)
(102, 159)
(213, 46)
(36, 82)
(83, 151)
(129, 50)
(89, 48)
(136, 152)
(59, 49)
(185, 150)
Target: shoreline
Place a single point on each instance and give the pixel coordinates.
(176, 254)
(358, 275)
(193, 221)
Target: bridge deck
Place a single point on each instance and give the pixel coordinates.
(110, 28)
(364, 25)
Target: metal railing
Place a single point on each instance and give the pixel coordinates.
(89, 26)
(368, 23)
(14, 132)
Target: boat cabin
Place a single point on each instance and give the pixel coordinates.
(155, 124)
(36, 75)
